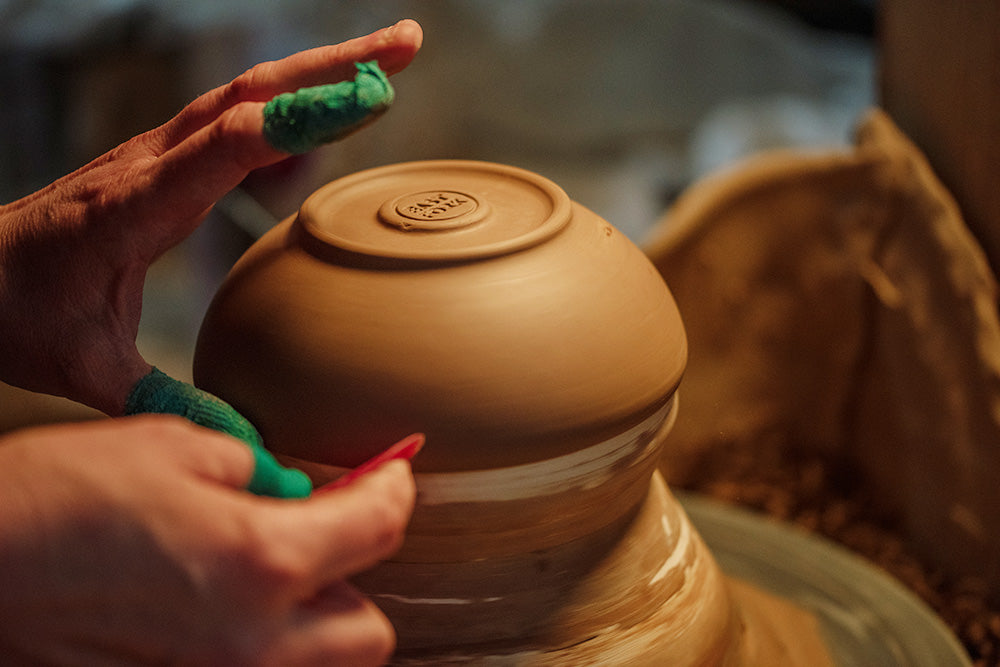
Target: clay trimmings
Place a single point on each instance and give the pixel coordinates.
(299, 122)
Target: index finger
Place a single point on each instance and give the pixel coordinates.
(192, 175)
(393, 48)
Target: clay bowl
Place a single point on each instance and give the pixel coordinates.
(539, 351)
(470, 301)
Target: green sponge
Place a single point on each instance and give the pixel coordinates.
(159, 393)
(299, 122)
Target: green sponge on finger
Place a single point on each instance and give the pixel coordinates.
(297, 122)
(159, 393)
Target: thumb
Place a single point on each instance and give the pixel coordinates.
(159, 393)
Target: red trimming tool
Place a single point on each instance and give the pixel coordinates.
(406, 448)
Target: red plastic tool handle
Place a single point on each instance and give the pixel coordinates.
(406, 448)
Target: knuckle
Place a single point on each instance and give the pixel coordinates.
(253, 565)
(276, 568)
(101, 204)
(240, 88)
(228, 126)
(248, 86)
(233, 134)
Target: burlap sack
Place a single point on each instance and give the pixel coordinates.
(837, 301)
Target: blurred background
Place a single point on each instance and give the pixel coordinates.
(622, 103)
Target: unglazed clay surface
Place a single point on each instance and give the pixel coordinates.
(582, 559)
(540, 353)
(524, 328)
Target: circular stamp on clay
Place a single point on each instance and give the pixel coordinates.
(433, 209)
(437, 210)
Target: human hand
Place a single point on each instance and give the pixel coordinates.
(128, 540)
(159, 393)
(73, 256)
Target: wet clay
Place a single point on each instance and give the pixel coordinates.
(585, 559)
(540, 353)
(498, 330)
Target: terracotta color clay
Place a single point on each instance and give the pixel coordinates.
(582, 559)
(468, 301)
(540, 352)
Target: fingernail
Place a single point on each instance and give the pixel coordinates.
(392, 29)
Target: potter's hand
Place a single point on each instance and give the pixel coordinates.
(73, 256)
(158, 393)
(113, 552)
